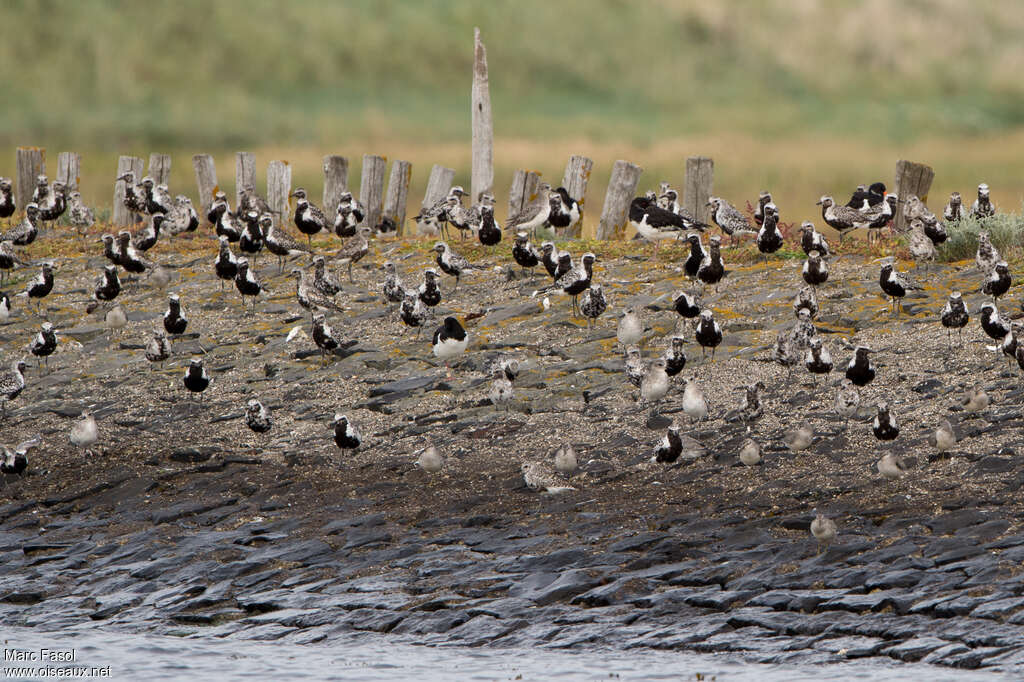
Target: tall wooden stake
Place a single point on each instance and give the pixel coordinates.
(482, 181)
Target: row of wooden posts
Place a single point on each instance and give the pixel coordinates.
(911, 178)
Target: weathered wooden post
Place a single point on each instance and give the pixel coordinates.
(522, 191)
(68, 169)
(120, 215)
(371, 188)
(700, 173)
(160, 168)
(245, 173)
(482, 180)
(574, 180)
(335, 182)
(911, 178)
(621, 190)
(206, 181)
(31, 164)
(440, 182)
(279, 187)
(398, 194)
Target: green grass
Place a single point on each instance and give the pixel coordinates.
(237, 73)
(1005, 230)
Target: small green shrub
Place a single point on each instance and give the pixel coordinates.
(1006, 231)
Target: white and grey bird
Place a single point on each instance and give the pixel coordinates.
(115, 319)
(309, 297)
(323, 336)
(655, 384)
(258, 417)
(785, 352)
(430, 460)
(566, 462)
(799, 437)
(392, 288)
(44, 343)
(5, 307)
(975, 400)
(158, 349)
(803, 330)
(630, 330)
(694, 404)
(954, 210)
(593, 304)
(450, 262)
(14, 461)
(954, 315)
(982, 206)
(987, 255)
(12, 383)
(806, 298)
(85, 433)
(349, 215)
(727, 217)
(355, 249)
(847, 401)
(82, 217)
(500, 392)
(890, 467)
(943, 438)
(708, 332)
(323, 281)
(413, 313)
(636, 368)
(842, 218)
(533, 214)
(540, 476)
(675, 355)
(750, 452)
(823, 529)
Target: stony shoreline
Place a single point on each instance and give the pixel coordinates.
(188, 523)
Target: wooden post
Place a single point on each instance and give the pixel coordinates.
(398, 194)
(574, 180)
(279, 186)
(523, 190)
(482, 180)
(335, 182)
(120, 215)
(621, 190)
(700, 173)
(371, 188)
(160, 168)
(206, 182)
(245, 173)
(440, 182)
(68, 169)
(31, 164)
(911, 178)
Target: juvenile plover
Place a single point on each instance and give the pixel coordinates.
(279, 242)
(694, 404)
(593, 304)
(823, 529)
(500, 392)
(258, 417)
(800, 437)
(85, 433)
(565, 460)
(630, 330)
(943, 438)
(847, 401)
(655, 384)
(987, 255)
(392, 287)
(540, 476)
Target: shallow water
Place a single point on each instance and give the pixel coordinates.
(155, 658)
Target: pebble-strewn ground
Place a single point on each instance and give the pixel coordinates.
(185, 521)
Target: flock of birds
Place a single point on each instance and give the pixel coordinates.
(254, 227)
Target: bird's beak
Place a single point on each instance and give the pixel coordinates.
(817, 203)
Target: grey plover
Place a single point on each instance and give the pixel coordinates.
(975, 400)
(954, 315)
(413, 313)
(993, 325)
(708, 332)
(807, 299)
(8, 259)
(655, 384)
(987, 255)
(25, 232)
(429, 292)
(576, 281)
(566, 462)
(489, 232)
(751, 408)
(308, 217)
(895, 285)
(450, 340)
(800, 437)
(691, 266)
(392, 287)
(785, 352)
(12, 383)
(818, 360)
(885, 426)
(812, 240)
(175, 321)
(712, 268)
(847, 401)
(85, 433)
(675, 355)
(727, 217)
(309, 297)
(450, 262)
(593, 304)
(354, 249)
(694, 404)
(323, 281)
(41, 285)
(82, 217)
(533, 214)
(943, 438)
(999, 281)
(890, 467)
(258, 417)
(843, 219)
(540, 476)
(686, 305)
(346, 434)
(279, 242)
(982, 206)
(859, 370)
(636, 368)
(954, 210)
(247, 284)
(44, 343)
(430, 460)
(500, 392)
(922, 249)
(14, 461)
(675, 446)
(763, 199)
(803, 330)
(196, 379)
(349, 215)
(823, 529)
(225, 266)
(630, 330)
(565, 211)
(432, 219)
(654, 223)
(750, 452)
(323, 336)
(158, 348)
(524, 253)
(769, 238)
(815, 269)
(7, 202)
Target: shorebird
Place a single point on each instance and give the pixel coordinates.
(675, 445)
(183, 216)
(5, 308)
(433, 219)
(12, 383)
(196, 379)
(992, 323)
(943, 438)
(524, 253)
(226, 265)
(174, 321)
(500, 392)
(823, 530)
(450, 262)
(847, 401)
(694, 404)
(279, 242)
(885, 426)
(412, 312)
(247, 284)
(818, 360)
(308, 218)
(922, 249)
(41, 285)
(727, 217)
(982, 206)
(654, 223)
(655, 384)
(251, 200)
(158, 349)
(593, 304)
(251, 240)
(323, 336)
(686, 305)
(769, 239)
(697, 255)
(675, 356)
(799, 437)
(803, 330)
(763, 199)
(987, 255)
(843, 219)
(786, 353)
(576, 281)
(540, 476)
(565, 460)
(392, 288)
(15, 462)
(44, 343)
(82, 217)
(534, 214)
(955, 316)
(708, 333)
(25, 232)
(812, 240)
(975, 400)
(750, 452)
(890, 467)
(85, 433)
(565, 211)
(429, 292)
(859, 370)
(323, 281)
(954, 210)
(636, 368)
(630, 330)
(128, 257)
(450, 341)
(556, 262)
(346, 434)
(8, 259)
(806, 299)
(712, 269)
(311, 298)
(489, 232)
(751, 408)
(258, 417)
(815, 270)
(115, 319)
(430, 460)
(348, 216)
(7, 203)
(999, 281)
(355, 249)
(894, 285)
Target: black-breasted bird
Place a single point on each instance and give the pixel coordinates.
(41, 285)
(812, 240)
(12, 383)
(7, 203)
(593, 304)
(696, 257)
(349, 215)
(954, 316)
(818, 360)
(308, 218)
(686, 305)
(763, 199)
(15, 462)
(675, 445)
(229, 225)
(769, 239)
(806, 299)
(954, 210)
(429, 292)
(251, 241)
(147, 236)
(712, 268)
(392, 288)
(982, 206)
(8, 259)
(309, 297)
(346, 435)
(413, 313)
(843, 219)
(565, 211)
(450, 262)
(675, 356)
(993, 325)
(44, 343)
(324, 281)
(815, 270)
(859, 370)
(217, 207)
(323, 336)
(576, 281)
(128, 256)
(885, 426)
(708, 332)
(279, 242)
(654, 223)
(524, 253)
(196, 379)
(246, 283)
(999, 281)
(175, 321)
(489, 232)
(25, 232)
(258, 417)
(226, 265)
(158, 349)
(450, 340)
(894, 285)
